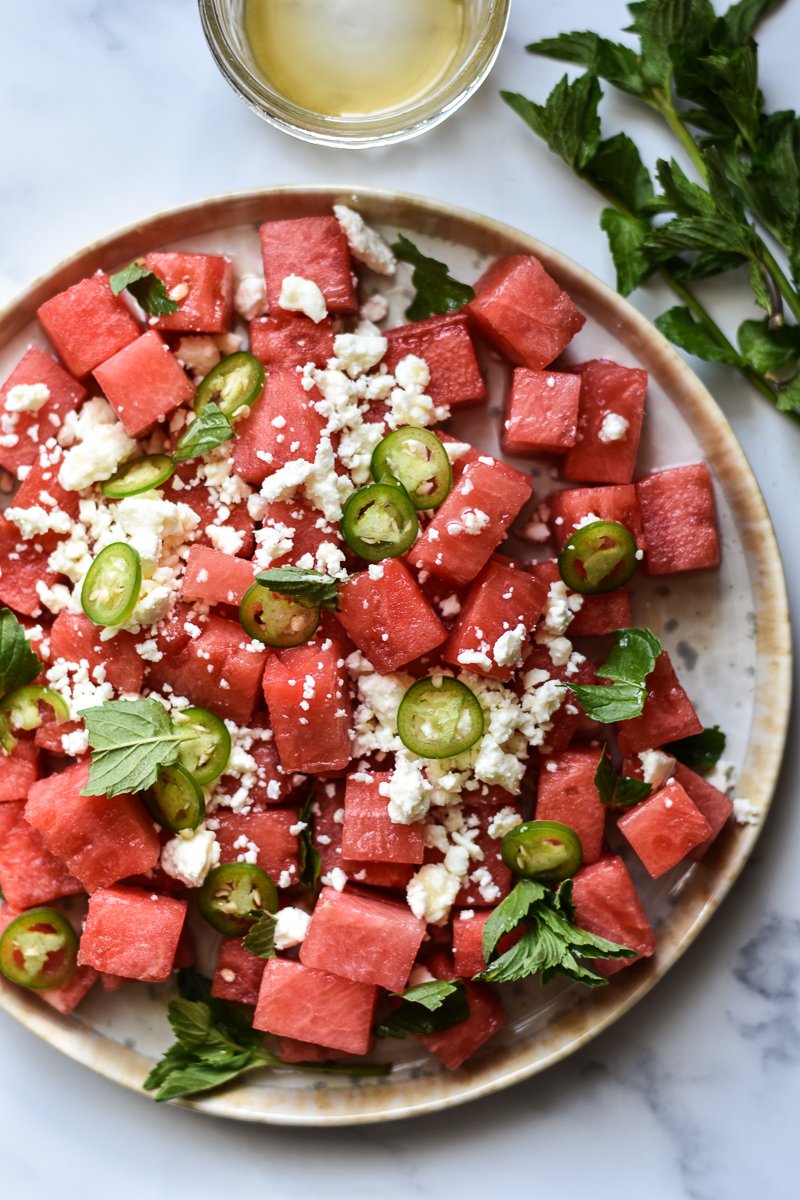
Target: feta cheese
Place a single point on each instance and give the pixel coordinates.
(149, 651)
(273, 540)
(199, 354)
(745, 812)
(657, 767)
(291, 927)
(34, 521)
(366, 244)
(376, 308)
(507, 650)
(250, 297)
(503, 822)
(356, 354)
(26, 397)
(303, 295)
(190, 855)
(431, 893)
(75, 743)
(408, 790)
(100, 445)
(450, 606)
(723, 776)
(225, 538)
(614, 428)
(335, 878)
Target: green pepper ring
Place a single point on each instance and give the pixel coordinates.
(235, 895)
(12, 949)
(591, 567)
(546, 851)
(450, 710)
(393, 458)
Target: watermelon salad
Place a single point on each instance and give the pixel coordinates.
(282, 713)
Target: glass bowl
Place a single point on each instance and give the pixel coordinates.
(223, 25)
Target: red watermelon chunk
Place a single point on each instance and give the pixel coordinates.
(216, 578)
(144, 383)
(445, 344)
(285, 339)
(500, 600)
(67, 997)
(664, 828)
(460, 453)
(50, 733)
(132, 932)
(715, 806)
(309, 530)
(386, 614)
(237, 975)
(328, 828)
(65, 395)
(23, 565)
(205, 286)
(362, 938)
(567, 793)
(569, 717)
(680, 527)
(99, 838)
(468, 942)
(75, 638)
(523, 312)
(281, 428)
(471, 522)
(308, 1005)
(668, 713)
(190, 489)
(268, 832)
(607, 904)
(607, 389)
(314, 248)
(455, 1045)
(368, 833)
(87, 324)
(293, 1051)
(614, 503)
(309, 705)
(598, 614)
(41, 487)
(542, 412)
(29, 873)
(18, 770)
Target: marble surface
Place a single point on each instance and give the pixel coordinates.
(109, 111)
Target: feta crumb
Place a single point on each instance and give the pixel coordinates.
(745, 812)
(101, 444)
(376, 308)
(431, 893)
(250, 297)
(335, 878)
(366, 244)
(723, 776)
(303, 295)
(189, 856)
(614, 428)
(149, 651)
(450, 606)
(657, 767)
(291, 926)
(507, 650)
(27, 397)
(225, 539)
(199, 354)
(503, 822)
(75, 743)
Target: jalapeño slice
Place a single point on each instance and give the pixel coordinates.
(275, 619)
(235, 895)
(439, 717)
(598, 558)
(20, 710)
(175, 801)
(235, 382)
(546, 851)
(111, 587)
(379, 521)
(418, 460)
(39, 949)
(138, 475)
(205, 746)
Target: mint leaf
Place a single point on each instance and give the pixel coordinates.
(710, 232)
(617, 168)
(700, 752)
(130, 740)
(510, 912)
(19, 665)
(768, 350)
(437, 291)
(309, 861)
(679, 325)
(626, 239)
(618, 791)
(428, 1008)
(568, 121)
(788, 395)
(209, 429)
(679, 193)
(738, 23)
(660, 25)
(260, 937)
(627, 666)
(617, 64)
(307, 587)
(149, 292)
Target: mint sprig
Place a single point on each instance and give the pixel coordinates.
(209, 429)
(436, 290)
(627, 666)
(130, 740)
(306, 587)
(429, 1007)
(309, 861)
(147, 289)
(260, 937)
(618, 791)
(19, 665)
(701, 752)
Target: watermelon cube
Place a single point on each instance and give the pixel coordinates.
(50, 733)
(522, 311)
(41, 487)
(99, 838)
(132, 932)
(282, 426)
(609, 423)
(368, 832)
(190, 489)
(216, 578)
(461, 454)
(144, 383)
(237, 975)
(387, 616)
(314, 248)
(309, 530)
(285, 339)
(18, 770)
(293, 1051)
(23, 565)
(29, 873)
(471, 522)
(490, 879)
(614, 503)
(597, 614)
(542, 412)
(668, 713)
(307, 1005)
(65, 395)
(328, 827)
(203, 287)
(308, 699)
(268, 833)
(363, 938)
(73, 637)
(715, 806)
(664, 828)
(500, 601)
(446, 345)
(607, 904)
(455, 1045)
(680, 528)
(569, 717)
(567, 793)
(468, 942)
(67, 998)
(87, 324)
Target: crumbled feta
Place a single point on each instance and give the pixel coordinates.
(335, 878)
(36, 520)
(190, 855)
(450, 606)
(657, 767)
(366, 244)
(303, 295)
(291, 927)
(26, 397)
(356, 354)
(225, 538)
(199, 354)
(408, 790)
(376, 308)
(431, 893)
(745, 812)
(614, 428)
(273, 540)
(503, 822)
(100, 444)
(250, 297)
(149, 651)
(75, 743)
(508, 648)
(723, 776)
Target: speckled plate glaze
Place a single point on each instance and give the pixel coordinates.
(727, 630)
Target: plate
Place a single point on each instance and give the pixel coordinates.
(728, 632)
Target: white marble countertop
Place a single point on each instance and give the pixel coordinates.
(111, 110)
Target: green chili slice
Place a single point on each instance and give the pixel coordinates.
(235, 895)
(19, 710)
(138, 475)
(439, 717)
(235, 382)
(418, 460)
(379, 521)
(111, 587)
(275, 619)
(598, 558)
(175, 801)
(39, 949)
(206, 744)
(546, 851)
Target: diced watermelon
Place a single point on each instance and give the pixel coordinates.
(293, 1051)
(607, 904)
(309, 705)
(18, 770)
(387, 616)
(567, 793)
(314, 248)
(309, 529)
(668, 713)
(100, 839)
(607, 389)
(328, 826)
(486, 1016)
(237, 975)
(715, 806)
(500, 600)
(29, 873)
(41, 486)
(468, 942)
(270, 832)
(144, 383)
(298, 1002)
(189, 489)
(569, 716)
(65, 395)
(368, 833)
(362, 938)
(680, 527)
(664, 828)
(22, 566)
(614, 503)
(493, 881)
(49, 734)
(207, 307)
(216, 578)
(523, 312)
(446, 345)
(263, 447)
(87, 324)
(74, 637)
(542, 413)
(67, 997)
(10, 813)
(285, 339)
(471, 522)
(461, 454)
(598, 614)
(132, 932)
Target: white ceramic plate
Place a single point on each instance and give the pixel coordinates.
(727, 631)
